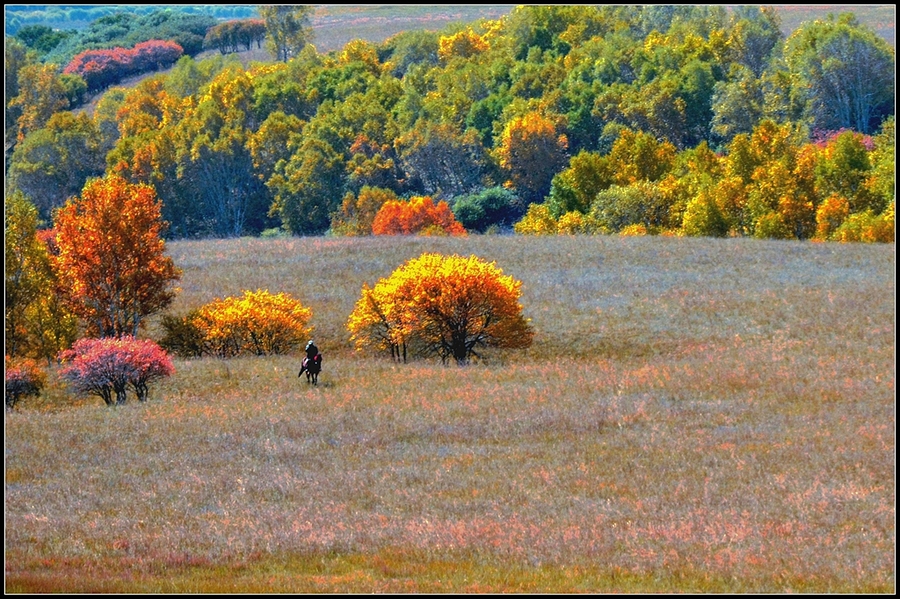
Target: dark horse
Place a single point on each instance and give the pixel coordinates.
(312, 367)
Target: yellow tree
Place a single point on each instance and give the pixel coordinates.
(258, 323)
(465, 43)
(531, 152)
(537, 221)
(357, 213)
(378, 320)
(450, 306)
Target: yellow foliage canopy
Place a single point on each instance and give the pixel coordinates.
(257, 323)
(444, 305)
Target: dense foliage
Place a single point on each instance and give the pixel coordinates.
(111, 261)
(258, 323)
(112, 27)
(234, 36)
(108, 367)
(447, 306)
(102, 68)
(419, 215)
(38, 322)
(24, 378)
(685, 120)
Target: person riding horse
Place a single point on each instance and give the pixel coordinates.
(313, 358)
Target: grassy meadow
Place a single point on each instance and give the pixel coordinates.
(696, 415)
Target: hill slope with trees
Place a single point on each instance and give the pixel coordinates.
(638, 120)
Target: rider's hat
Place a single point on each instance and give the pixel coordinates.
(309, 343)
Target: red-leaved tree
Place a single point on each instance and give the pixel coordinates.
(102, 68)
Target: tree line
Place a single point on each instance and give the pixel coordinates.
(589, 119)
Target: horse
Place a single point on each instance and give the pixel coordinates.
(312, 368)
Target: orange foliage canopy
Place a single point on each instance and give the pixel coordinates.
(444, 305)
(419, 215)
(111, 262)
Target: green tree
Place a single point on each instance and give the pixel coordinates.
(408, 48)
(442, 162)
(275, 141)
(288, 29)
(641, 203)
(754, 34)
(843, 168)
(882, 180)
(576, 187)
(26, 269)
(309, 189)
(214, 158)
(52, 164)
(737, 104)
(16, 56)
(495, 207)
(845, 72)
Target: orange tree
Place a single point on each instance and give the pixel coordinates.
(112, 258)
(419, 215)
(448, 305)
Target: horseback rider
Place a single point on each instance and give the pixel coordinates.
(312, 356)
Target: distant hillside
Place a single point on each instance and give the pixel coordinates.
(336, 24)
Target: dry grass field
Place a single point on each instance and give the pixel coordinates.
(695, 415)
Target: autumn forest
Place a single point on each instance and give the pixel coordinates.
(675, 120)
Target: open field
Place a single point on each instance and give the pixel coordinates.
(696, 415)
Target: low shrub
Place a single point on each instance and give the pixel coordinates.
(108, 366)
(24, 378)
(258, 323)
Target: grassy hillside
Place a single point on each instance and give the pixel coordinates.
(696, 415)
(335, 25)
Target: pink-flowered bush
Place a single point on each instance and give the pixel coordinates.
(109, 366)
(24, 378)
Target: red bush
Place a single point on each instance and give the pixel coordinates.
(23, 379)
(102, 68)
(106, 366)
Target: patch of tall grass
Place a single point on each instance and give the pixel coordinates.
(695, 415)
